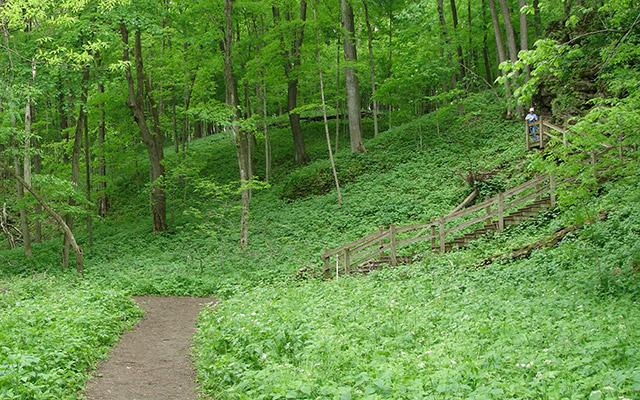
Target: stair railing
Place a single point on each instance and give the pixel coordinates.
(386, 241)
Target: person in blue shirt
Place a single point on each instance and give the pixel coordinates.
(530, 118)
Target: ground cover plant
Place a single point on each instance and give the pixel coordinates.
(562, 324)
(53, 330)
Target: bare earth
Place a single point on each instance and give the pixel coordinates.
(151, 362)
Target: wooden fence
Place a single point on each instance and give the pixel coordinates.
(544, 131)
(378, 244)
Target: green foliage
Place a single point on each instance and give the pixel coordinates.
(561, 324)
(52, 331)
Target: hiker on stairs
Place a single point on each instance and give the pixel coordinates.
(531, 118)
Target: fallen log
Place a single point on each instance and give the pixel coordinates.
(526, 250)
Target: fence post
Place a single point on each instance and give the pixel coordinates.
(500, 212)
(564, 139)
(381, 242)
(541, 136)
(327, 264)
(552, 190)
(526, 134)
(433, 232)
(392, 239)
(442, 246)
(347, 260)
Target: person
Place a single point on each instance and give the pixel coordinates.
(530, 118)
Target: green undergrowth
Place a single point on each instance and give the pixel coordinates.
(53, 330)
(563, 323)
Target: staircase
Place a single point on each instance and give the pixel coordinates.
(513, 218)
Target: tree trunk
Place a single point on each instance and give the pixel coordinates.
(338, 57)
(26, 235)
(454, 16)
(56, 216)
(138, 93)
(231, 97)
(524, 36)
(371, 69)
(351, 80)
(485, 47)
(511, 44)
(499, 44)
(447, 40)
(324, 105)
(87, 157)
(103, 199)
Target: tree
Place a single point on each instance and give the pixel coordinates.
(291, 67)
(139, 95)
(240, 136)
(371, 69)
(351, 79)
(511, 44)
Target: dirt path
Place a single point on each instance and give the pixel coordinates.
(151, 362)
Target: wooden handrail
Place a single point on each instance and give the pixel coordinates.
(385, 240)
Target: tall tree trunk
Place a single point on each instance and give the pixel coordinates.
(103, 198)
(351, 80)
(138, 93)
(87, 157)
(445, 35)
(499, 44)
(524, 36)
(454, 16)
(511, 43)
(56, 216)
(390, 55)
(324, 105)
(371, 69)
(485, 47)
(241, 139)
(26, 235)
(37, 208)
(338, 57)
(291, 67)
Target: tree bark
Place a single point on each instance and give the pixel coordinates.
(351, 80)
(324, 106)
(447, 40)
(55, 215)
(26, 234)
(291, 67)
(502, 57)
(454, 16)
(138, 93)
(241, 140)
(87, 157)
(485, 47)
(511, 43)
(524, 36)
(103, 199)
(371, 69)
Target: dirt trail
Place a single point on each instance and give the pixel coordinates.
(151, 362)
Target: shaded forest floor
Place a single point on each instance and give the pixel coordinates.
(152, 360)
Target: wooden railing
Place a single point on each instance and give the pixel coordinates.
(378, 244)
(544, 132)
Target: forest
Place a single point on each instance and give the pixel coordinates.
(279, 156)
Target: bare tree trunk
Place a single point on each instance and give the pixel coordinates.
(372, 70)
(337, 93)
(445, 35)
(499, 44)
(351, 80)
(511, 43)
(454, 16)
(26, 235)
(138, 93)
(87, 158)
(324, 106)
(291, 67)
(524, 36)
(56, 216)
(231, 95)
(485, 47)
(103, 199)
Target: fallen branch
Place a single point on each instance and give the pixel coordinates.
(466, 201)
(525, 251)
